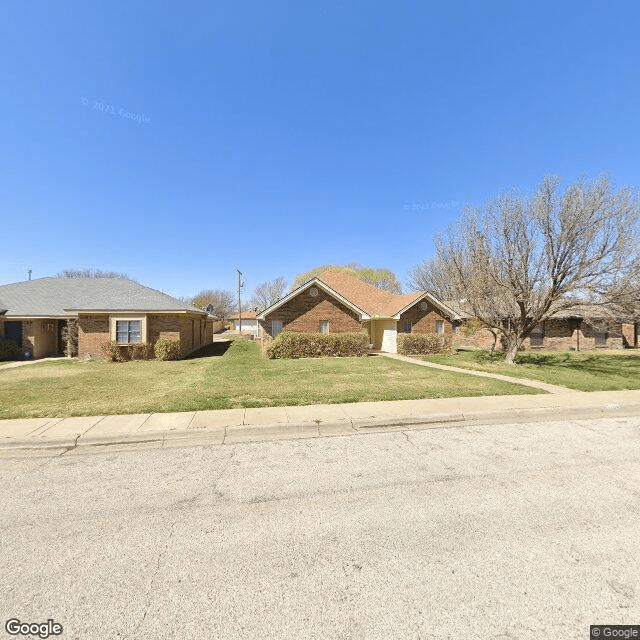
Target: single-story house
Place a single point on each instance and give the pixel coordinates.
(249, 323)
(580, 328)
(336, 302)
(36, 311)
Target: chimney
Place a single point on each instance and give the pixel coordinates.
(29, 274)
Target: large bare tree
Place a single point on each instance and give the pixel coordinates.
(221, 302)
(267, 293)
(518, 260)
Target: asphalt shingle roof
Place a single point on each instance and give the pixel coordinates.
(370, 299)
(51, 297)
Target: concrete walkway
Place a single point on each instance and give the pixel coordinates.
(286, 423)
(22, 363)
(536, 384)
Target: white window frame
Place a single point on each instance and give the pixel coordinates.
(440, 327)
(408, 323)
(324, 324)
(113, 327)
(538, 335)
(600, 339)
(274, 323)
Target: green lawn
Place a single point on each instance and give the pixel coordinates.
(238, 378)
(585, 371)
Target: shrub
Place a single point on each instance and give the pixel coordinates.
(415, 344)
(318, 345)
(114, 352)
(167, 349)
(9, 350)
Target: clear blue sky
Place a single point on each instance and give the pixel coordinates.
(177, 141)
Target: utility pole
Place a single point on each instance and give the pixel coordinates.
(240, 284)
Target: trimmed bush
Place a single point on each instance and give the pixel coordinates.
(167, 349)
(318, 345)
(416, 344)
(9, 350)
(114, 352)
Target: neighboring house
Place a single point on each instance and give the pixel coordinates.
(249, 323)
(581, 328)
(336, 302)
(105, 308)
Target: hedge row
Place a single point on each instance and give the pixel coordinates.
(415, 344)
(114, 352)
(318, 345)
(162, 349)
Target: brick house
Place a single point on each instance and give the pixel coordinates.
(336, 302)
(582, 328)
(34, 313)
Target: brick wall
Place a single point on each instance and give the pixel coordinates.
(163, 326)
(303, 314)
(93, 330)
(193, 331)
(558, 334)
(424, 321)
(482, 339)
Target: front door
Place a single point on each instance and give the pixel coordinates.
(389, 340)
(384, 335)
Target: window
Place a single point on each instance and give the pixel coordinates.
(407, 326)
(276, 327)
(128, 331)
(454, 327)
(324, 326)
(601, 338)
(537, 337)
(440, 327)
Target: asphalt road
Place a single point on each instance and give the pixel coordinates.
(501, 532)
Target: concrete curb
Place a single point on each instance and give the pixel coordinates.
(294, 430)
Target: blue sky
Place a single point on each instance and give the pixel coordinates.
(178, 141)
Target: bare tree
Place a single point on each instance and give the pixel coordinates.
(223, 302)
(382, 278)
(267, 293)
(92, 273)
(519, 260)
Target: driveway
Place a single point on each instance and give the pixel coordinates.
(500, 531)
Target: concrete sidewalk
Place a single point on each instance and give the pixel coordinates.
(536, 384)
(22, 363)
(276, 423)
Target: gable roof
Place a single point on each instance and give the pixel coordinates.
(303, 287)
(377, 302)
(65, 297)
(368, 301)
(246, 315)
